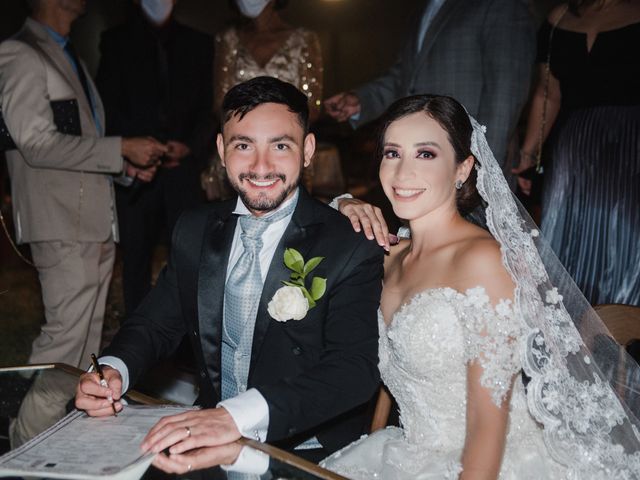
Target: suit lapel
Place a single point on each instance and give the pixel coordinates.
(437, 24)
(300, 234)
(212, 273)
(61, 63)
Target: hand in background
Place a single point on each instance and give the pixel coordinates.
(211, 427)
(342, 106)
(176, 151)
(143, 174)
(198, 459)
(527, 161)
(143, 152)
(94, 398)
(364, 216)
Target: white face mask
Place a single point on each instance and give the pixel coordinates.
(251, 8)
(158, 11)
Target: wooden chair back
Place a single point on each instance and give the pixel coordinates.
(382, 410)
(623, 321)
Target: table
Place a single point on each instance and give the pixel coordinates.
(50, 389)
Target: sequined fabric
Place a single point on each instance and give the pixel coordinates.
(298, 61)
(424, 354)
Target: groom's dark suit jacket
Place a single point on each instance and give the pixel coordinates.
(316, 373)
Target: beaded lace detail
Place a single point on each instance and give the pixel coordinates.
(424, 353)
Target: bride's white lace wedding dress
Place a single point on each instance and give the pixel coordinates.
(424, 353)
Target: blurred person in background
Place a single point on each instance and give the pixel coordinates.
(61, 171)
(587, 108)
(155, 79)
(480, 53)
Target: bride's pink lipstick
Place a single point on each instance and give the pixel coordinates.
(407, 194)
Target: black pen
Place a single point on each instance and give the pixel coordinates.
(103, 382)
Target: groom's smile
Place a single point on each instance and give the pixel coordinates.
(264, 153)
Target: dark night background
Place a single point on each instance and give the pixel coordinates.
(359, 37)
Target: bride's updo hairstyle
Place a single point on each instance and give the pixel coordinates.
(453, 118)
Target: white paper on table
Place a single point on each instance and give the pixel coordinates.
(83, 447)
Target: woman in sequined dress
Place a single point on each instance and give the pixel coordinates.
(264, 44)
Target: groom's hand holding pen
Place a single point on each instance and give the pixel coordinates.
(98, 392)
(103, 382)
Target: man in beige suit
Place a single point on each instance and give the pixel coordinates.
(63, 202)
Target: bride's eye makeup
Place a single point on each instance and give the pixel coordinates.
(390, 153)
(426, 154)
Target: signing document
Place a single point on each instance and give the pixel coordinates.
(83, 447)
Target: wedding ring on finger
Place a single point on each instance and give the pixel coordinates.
(188, 429)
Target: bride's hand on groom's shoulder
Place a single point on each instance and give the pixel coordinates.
(367, 218)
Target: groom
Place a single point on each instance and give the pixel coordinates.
(300, 383)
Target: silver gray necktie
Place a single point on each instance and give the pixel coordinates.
(241, 299)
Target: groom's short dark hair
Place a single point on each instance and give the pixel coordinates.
(246, 96)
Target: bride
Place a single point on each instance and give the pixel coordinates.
(464, 311)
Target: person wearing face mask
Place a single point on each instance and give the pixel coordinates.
(263, 44)
(155, 79)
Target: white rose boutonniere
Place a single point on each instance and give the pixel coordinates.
(289, 303)
(293, 301)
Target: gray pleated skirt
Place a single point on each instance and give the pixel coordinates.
(591, 201)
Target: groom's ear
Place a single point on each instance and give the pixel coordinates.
(309, 148)
(220, 147)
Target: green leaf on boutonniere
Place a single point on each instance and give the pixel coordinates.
(318, 287)
(311, 264)
(293, 260)
(312, 302)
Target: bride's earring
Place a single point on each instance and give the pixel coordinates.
(459, 184)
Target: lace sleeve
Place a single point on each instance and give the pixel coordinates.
(312, 70)
(491, 336)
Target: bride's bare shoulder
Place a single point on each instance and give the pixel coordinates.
(479, 262)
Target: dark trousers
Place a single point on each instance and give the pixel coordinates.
(147, 214)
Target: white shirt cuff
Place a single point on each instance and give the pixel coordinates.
(123, 179)
(115, 362)
(249, 461)
(250, 413)
(334, 202)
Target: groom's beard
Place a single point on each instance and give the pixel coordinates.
(263, 203)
